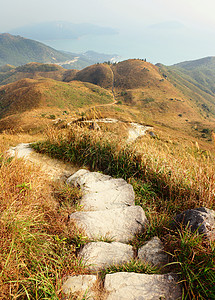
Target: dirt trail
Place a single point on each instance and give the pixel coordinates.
(53, 168)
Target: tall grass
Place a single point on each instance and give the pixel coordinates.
(181, 174)
(37, 245)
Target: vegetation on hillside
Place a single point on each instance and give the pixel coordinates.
(16, 50)
(167, 179)
(27, 94)
(37, 245)
(100, 74)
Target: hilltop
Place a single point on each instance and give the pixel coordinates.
(153, 97)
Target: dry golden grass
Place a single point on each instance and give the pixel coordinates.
(37, 245)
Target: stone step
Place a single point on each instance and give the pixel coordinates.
(99, 255)
(80, 286)
(120, 224)
(124, 286)
(102, 191)
(133, 286)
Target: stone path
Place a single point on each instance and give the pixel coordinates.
(135, 130)
(109, 213)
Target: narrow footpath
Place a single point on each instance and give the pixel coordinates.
(109, 213)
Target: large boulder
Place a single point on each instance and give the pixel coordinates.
(120, 224)
(200, 219)
(98, 255)
(153, 252)
(133, 286)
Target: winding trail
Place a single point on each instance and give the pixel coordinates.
(109, 212)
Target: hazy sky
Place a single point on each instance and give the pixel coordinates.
(133, 16)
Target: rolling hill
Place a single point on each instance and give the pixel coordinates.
(143, 92)
(33, 102)
(154, 98)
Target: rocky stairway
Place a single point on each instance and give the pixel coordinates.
(109, 213)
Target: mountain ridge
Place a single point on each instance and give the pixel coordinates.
(17, 50)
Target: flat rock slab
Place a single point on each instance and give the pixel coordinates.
(98, 255)
(120, 224)
(102, 191)
(153, 252)
(200, 219)
(133, 286)
(80, 286)
(109, 199)
(94, 182)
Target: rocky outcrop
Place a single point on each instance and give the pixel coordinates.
(200, 219)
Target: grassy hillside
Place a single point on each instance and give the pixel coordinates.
(32, 71)
(16, 50)
(46, 99)
(170, 172)
(202, 71)
(144, 93)
(196, 80)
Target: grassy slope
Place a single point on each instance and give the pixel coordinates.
(33, 71)
(143, 87)
(201, 71)
(16, 50)
(26, 100)
(173, 105)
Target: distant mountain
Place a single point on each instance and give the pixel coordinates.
(61, 30)
(17, 50)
